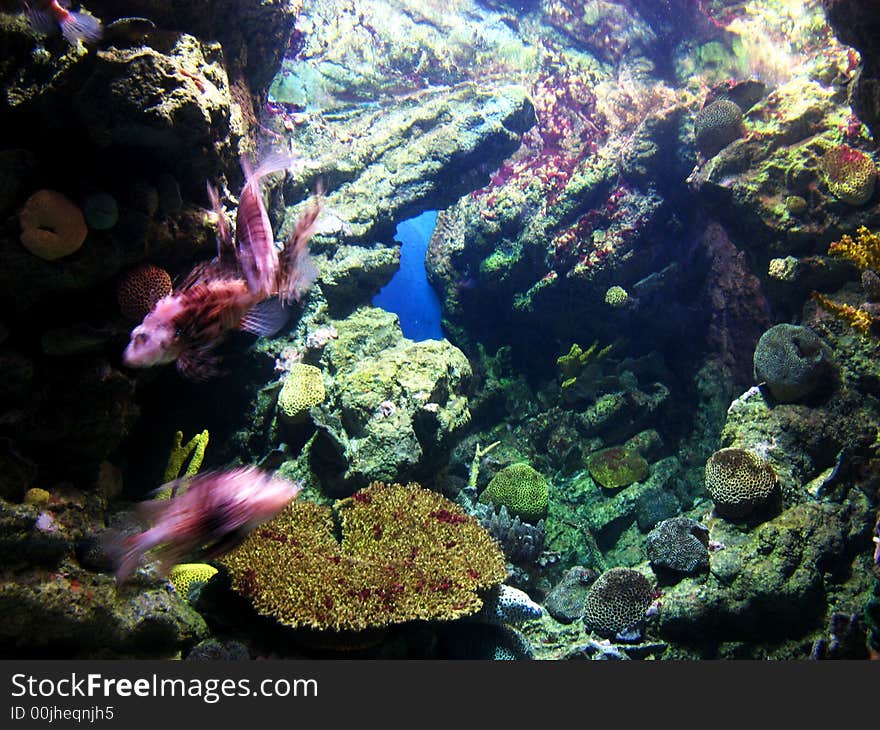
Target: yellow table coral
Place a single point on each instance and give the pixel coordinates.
(406, 553)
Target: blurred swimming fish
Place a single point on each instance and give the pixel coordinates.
(245, 287)
(215, 512)
(46, 16)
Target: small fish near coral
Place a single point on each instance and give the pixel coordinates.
(245, 287)
(47, 16)
(215, 513)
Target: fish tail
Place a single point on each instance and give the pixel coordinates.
(224, 233)
(256, 252)
(297, 271)
(81, 27)
(40, 21)
(125, 551)
(273, 162)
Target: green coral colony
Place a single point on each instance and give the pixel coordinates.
(621, 402)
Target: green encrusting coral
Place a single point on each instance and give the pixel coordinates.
(617, 467)
(406, 553)
(524, 491)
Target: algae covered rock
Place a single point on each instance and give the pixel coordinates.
(521, 489)
(393, 406)
(567, 601)
(81, 614)
(770, 583)
(418, 155)
(126, 102)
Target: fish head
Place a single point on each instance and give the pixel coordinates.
(151, 344)
(274, 494)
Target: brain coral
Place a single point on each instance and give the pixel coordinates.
(849, 174)
(790, 360)
(51, 226)
(617, 601)
(140, 288)
(738, 481)
(617, 467)
(679, 544)
(717, 125)
(303, 388)
(524, 491)
(405, 553)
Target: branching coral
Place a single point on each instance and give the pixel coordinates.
(406, 553)
(194, 450)
(572, 364)
(864, 251)
(860, 320)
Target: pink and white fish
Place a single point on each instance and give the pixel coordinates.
(216, 512)
(47, 16)
(246, 287)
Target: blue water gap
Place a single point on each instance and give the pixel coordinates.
(408, 294)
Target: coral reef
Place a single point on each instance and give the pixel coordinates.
(680, 545)
(303, 389)
(188, 576)
(791, 361)
(521, 542)
(138, 289)
(51, 226)
(738, 481)
(717, 125)
(850, 174)
(405, 553)
(616, 603)
(522, 490)
(193, 451)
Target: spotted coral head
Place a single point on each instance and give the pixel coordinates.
(739, 481)
(850, 174)
(138, 289)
